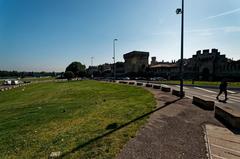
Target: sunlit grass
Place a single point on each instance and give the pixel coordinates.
(48, 117)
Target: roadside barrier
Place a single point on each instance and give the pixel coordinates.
(156, 86)
(228, 116)
(139, 84)
(177, 93)
(165, 89)
(148, 85)
(207, 105)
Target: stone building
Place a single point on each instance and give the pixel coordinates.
(136, 61)
(168, 70)
(206, 65)
(120, 70)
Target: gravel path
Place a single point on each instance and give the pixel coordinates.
(175, 131)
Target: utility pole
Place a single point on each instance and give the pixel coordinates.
(92, 61)
(92, 67)
(114, 60)
(181, 11)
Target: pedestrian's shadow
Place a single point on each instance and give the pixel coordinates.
(114, 127)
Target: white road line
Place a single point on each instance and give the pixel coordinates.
(164, 85)
(208, 96)
(216, 156)
(205, 90)
(230, 91)
(189, 97)
(237, 98)
(231, 99)
(214, 98)
(183, 87)
(221, 147)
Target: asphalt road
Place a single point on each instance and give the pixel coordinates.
(209, 94)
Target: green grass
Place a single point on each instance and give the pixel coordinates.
(37, 78)
(203, 83)
(46, 117)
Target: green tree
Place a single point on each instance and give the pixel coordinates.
(69, 75)
(77, 68)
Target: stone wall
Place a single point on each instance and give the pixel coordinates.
(136, 61)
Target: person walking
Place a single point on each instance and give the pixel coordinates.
(222, 88)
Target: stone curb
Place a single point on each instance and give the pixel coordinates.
(166, 89)
(139, 84)
(156, 86)
(148, 85)
(206, 105)
(177, 93)
(228, 117)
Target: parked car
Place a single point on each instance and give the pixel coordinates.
(7, 82)
(14, 82)
(157, 79)
(126, 78)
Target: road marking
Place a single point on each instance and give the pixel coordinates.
(189, 97)
(214, 98)
(221, 147)
(164, 85)
(231, 99)
(208, 96)
(216, 156)
(183, 87)
(237, 98)
(230, 91)
(205, 90)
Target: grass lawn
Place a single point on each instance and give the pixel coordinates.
(37, 78)
(203, 83)
(61, 116)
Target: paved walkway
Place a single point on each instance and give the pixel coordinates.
(222, 143)
(176, 131)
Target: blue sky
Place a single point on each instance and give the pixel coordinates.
(47, 35)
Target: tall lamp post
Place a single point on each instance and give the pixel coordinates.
(92, 66)
(181, 11)
(114, 64)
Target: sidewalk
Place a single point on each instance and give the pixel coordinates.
(176, 131)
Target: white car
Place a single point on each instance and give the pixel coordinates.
(14, 82)
(126, 78)
(7, 82)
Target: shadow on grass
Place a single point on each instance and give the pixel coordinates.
(112, 126)
(115, 127)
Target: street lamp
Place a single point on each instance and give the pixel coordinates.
(92, 67)
(181, 11)
(92, 61)
(114, 64)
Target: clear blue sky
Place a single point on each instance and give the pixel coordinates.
(47, 35)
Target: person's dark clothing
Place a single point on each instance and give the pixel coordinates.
(223, 88)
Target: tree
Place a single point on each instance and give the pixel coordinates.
(77, 68)
(69, 75)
